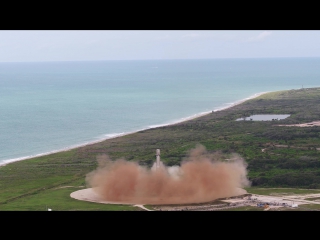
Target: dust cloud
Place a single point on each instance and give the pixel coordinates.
(202, 177)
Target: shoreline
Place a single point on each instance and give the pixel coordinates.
(116, 135)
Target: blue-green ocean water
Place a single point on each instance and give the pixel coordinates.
(52, 106)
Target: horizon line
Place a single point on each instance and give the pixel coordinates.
(105, 60)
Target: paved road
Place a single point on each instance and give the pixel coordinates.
(141, 206)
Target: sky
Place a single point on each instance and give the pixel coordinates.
(96, 45)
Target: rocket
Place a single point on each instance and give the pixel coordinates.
(157, 158)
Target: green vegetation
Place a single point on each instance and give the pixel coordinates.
(244, 208)
(282, 191)
(277, 156)
(308, 207)
(58, 199)
(314, 198)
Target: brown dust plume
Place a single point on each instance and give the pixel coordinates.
(202, 177)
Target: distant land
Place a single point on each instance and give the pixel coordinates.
(279, 152)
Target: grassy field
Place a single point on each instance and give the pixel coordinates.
(48, 180)
(277, 191)
(59, 199)
(244, 208)
(308, 207)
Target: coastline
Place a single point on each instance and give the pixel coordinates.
(116, 135)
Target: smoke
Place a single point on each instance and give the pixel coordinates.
(202, 177)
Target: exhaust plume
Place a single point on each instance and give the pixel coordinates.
(202, 177)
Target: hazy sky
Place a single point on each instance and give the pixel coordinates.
(75, 45)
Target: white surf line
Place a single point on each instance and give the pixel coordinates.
(141, 206)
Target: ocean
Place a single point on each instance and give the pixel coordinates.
(47, 107)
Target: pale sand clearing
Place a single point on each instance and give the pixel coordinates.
(310, 124)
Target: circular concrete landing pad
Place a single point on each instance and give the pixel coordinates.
(90, 195)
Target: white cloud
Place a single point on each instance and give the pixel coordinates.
(260, 37)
